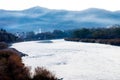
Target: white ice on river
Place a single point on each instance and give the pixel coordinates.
(73, 60)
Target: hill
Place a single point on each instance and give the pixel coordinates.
(49, 19)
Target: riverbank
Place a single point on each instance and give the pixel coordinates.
(115, 42)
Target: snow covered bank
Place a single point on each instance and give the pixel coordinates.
(73, 60)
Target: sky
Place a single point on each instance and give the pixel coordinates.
(75, 5)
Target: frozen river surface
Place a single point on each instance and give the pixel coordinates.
(73, 60)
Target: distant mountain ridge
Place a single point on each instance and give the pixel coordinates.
(50, 19)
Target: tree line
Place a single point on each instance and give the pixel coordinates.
(8, 37)
(56, 34)
(109, 35)
(93, 34)
(112, 32)
(99, 33)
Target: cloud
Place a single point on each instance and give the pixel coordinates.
(60, 4)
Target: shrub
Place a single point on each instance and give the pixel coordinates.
(43, 74)
(11, 66)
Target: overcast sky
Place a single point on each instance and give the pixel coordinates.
(112, 5)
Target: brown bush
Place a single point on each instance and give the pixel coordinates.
(11, 66)
(43, 74)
